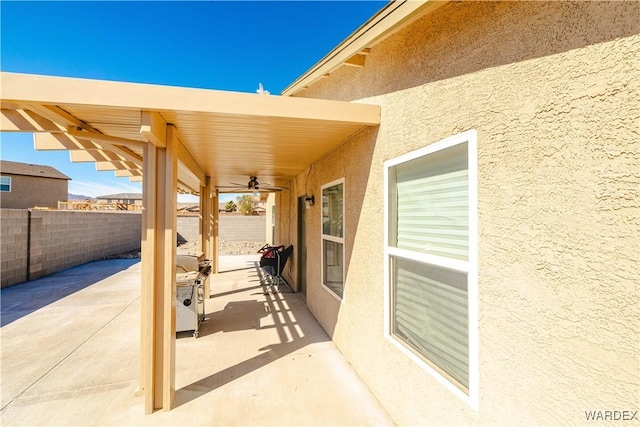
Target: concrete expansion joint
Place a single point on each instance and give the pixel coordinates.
(74, 350)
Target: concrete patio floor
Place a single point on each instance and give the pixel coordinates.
(70, 343)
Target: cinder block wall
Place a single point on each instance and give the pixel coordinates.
(189, 228)
(232, 228)
(243, 228)
(62, 239)
(13, 246)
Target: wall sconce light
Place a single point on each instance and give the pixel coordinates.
(308, 201)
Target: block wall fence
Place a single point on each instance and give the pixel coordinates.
(36, 243)
(64, 239)
(232, 228)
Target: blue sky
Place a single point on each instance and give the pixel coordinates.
(224, 45)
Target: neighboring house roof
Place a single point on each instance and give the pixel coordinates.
(189, 207)
(121, 196)
(28, 169)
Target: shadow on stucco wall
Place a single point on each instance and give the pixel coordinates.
(352, 160)
(466, 37)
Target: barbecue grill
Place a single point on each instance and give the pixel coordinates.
(192, 271)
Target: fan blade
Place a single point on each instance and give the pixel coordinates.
(272, 188)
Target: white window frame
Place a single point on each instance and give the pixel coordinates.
(331, 238)
(470, 266)
(9, 178)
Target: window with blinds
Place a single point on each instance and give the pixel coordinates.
(333, 237)
(432, 213)
(428, 254)
(5, 183)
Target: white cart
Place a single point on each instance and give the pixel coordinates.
(189, 302)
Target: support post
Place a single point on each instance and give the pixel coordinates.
(215, 250)
(158, 293)
(169, 230)
(147, 291)
(206, 211)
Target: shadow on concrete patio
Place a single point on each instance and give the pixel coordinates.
(19, 300)
(272, 311)
(260, 360)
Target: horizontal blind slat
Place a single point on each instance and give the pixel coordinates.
(431, 314)
(433, 213)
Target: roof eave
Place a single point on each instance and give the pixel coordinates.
(35, 176)
(389, 20)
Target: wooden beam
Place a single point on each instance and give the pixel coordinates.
(121, 169)
(63, 118)
(42, 123)
(121, 152)
(190, 162)
(106, 166)
(20, 120)
(102, 156)
(56, 141)
(135, 178)
(355, 61)
(12, 121)
(46, 90)
(60, 116)
(154, 128)
(123, 173)
(86, 156)
(63, 141)
(102, 138)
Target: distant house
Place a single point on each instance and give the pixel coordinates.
(25, 185)
(124, 198)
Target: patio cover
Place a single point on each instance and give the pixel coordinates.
(179, 139)
(227, 136)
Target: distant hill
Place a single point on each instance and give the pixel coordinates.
(72, 197)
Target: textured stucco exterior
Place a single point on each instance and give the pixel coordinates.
(31, 191)
(552, 89)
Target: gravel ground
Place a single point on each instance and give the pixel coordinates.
(228, 247)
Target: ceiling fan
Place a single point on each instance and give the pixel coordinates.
(251, 187)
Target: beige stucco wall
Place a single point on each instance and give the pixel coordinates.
(553, 92)
(31, 191)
